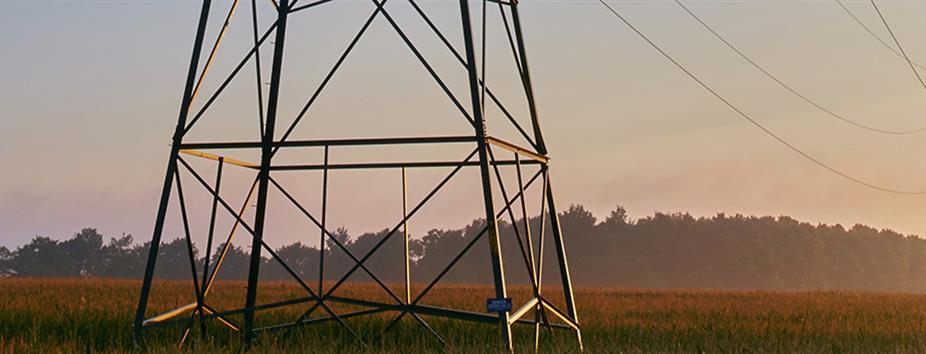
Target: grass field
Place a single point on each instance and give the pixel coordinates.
(95, 316)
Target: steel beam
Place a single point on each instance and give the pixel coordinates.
(517, 149)
(164, 317)
(560, 246)
(331, 142)
(215, 157)
(231, 235)
(257, 67)
(354, 166)
(323, 226)
(189, 245)
(215, 48)
(524, 309)
(185, 104)
(408, 277)
(393, 165)
(264, 174)
(498, 269)
(526, 80)
(528, 263)
(211, 234)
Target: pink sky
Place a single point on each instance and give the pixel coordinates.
(93, 89)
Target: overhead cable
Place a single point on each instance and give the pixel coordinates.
(790, 88)
(897, 42)
(754, 122)
(873, 34)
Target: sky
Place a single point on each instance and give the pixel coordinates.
(93, 89)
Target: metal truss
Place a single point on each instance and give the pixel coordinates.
(483, 156)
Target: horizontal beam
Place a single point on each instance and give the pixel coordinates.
(353, 166)
(330, 142)
(214, 157)
(322, 319)
(509, 3)
(433, 311)
(379, 165)
(169, 314)
(164, 320)
(517, 149)
(212, 313)
(191, 149)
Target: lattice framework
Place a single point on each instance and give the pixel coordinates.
(483, 157)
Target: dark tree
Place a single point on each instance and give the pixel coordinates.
(234, 266)
(83, 251)
(173, 260)
(119, 259)
(43, 257)
(6, 262)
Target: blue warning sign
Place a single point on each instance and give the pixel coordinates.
(498, 305)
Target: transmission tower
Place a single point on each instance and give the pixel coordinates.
(525, 157)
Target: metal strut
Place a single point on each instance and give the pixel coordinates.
(171, 171)
(263, 183)
(498, 268)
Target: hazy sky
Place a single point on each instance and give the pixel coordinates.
(92, 90)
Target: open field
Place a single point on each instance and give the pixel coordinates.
(96, 315)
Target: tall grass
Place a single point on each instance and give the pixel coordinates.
(95, 315)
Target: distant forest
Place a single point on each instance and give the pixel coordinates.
(660, 251)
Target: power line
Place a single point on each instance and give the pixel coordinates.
(907, 58)
(789, 87)
(873, 34)
(749, 118)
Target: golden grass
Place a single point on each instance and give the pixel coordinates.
(41, 315)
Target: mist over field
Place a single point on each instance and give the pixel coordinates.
(731, 252)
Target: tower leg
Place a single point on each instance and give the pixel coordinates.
(542, 149)
(264, 174)
(526, 80)
(498, 269)
(561, 257)
(171, 171)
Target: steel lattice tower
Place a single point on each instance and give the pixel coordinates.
(485, 157)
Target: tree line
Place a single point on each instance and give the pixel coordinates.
(660, 251)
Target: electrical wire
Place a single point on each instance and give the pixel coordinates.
(897, 42)
(788, 87)
(746, 116)
(873, 34)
